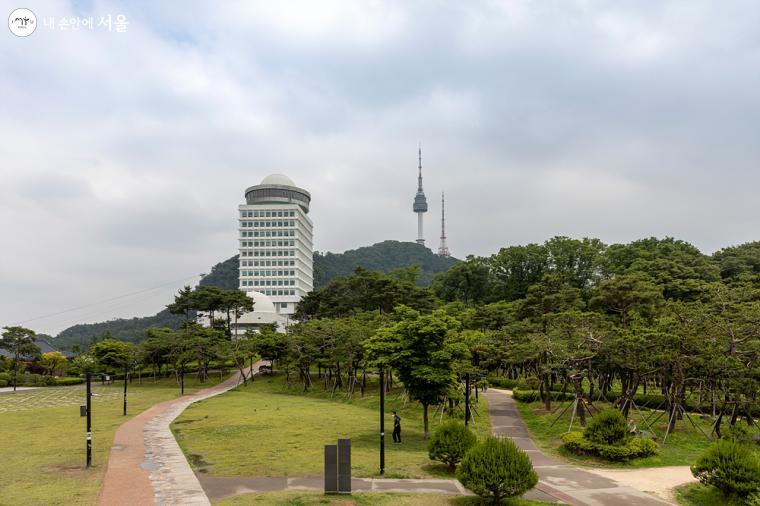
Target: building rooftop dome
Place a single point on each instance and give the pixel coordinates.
(278, 179)
(261, 303)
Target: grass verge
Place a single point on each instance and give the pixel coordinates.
(697, 494)
(42, 438)
(682, 447)
(266, 429)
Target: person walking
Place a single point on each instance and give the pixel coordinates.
(396, 428)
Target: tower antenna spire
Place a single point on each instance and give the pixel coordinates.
(443, 249)
(420, 202)
(419, 167)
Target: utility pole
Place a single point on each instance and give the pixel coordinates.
(89, 419)
(382, 421)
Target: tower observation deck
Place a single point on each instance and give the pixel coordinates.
(420, 202)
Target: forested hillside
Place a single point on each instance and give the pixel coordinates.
(125, 329)
(384, 256)
(381, 257)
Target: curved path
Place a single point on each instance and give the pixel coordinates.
(146, 465)
(563, 482)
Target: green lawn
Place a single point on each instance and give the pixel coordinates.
(43, 447)
(682, 447)
(696, 494)
(366, 499)
(266, 429)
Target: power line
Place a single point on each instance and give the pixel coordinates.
(103, 301)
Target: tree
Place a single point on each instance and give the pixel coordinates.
(113, 355)
(497, 468)
(626, 294)
(466, 281)
(450, 442)
(54, 363)
(19, 341)
(422, 349)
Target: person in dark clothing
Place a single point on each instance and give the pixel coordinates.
(396, 428)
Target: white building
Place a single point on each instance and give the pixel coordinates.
(263, 313)
(275, 242)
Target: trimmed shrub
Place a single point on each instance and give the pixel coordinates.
(501, 382)
(607, 428)
(635, 447)
(5, 376)
(449, 442)
(3, 383)
(535, 395)
(730, 467)
(69, 381)
(496, 468)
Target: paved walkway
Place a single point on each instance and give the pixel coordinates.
(219, 487)
(563, 482)
(146, 465)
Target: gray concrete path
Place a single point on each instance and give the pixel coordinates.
(563, 482)
(221, 487)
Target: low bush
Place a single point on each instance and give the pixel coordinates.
(535, 395)
(449, 443)
(501, 382)
(5, 376)
(68, 381)
(496, 468)
(3, 383)
(731, 467)
(607, 428)
(739, 433)
(632, 448)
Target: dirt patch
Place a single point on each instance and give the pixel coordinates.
(197, 462)
(658, 481)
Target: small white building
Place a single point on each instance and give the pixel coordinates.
(264, 313)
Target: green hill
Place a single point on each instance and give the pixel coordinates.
(383, 256)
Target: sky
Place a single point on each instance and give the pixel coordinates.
(126, 154)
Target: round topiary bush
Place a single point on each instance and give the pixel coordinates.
(607, 428)
(449, 442)
(496, 468)
(730, 467)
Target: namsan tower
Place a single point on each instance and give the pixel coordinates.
(443, 249)
(420, 202)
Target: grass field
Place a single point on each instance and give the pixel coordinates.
(369, 499)
(42, 438)
(266, 429)
(681, 448)
(696, 494)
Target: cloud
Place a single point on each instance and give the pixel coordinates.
(125, 155)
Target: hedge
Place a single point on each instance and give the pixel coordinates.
(635, 447)
(535, 395)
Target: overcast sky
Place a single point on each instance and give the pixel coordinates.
(125, 155)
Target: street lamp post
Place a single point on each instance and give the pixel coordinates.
(467, 400)
(89, 420)
(382, 421)
(126, 373)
